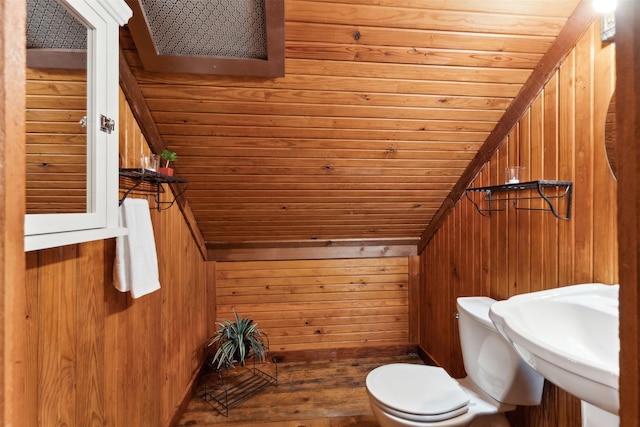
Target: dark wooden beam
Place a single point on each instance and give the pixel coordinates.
(70, 59)
(628, 159)
(139, 107)
(264, 251)
(575, 27)
(140, 110)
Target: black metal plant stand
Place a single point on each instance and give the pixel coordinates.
(226, 388)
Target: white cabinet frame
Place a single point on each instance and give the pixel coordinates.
(102, 19)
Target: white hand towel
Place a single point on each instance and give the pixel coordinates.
(136, 263)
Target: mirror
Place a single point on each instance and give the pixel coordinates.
(56, 152)
(72, 135)
(610, 135)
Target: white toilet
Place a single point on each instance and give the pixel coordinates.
(403, 394)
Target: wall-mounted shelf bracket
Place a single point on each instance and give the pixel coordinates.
(150, 183)
(497, 197)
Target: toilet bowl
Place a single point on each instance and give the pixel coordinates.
(421, 395)
(497, 381)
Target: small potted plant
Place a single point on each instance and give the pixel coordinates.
(235, 342)
(168, 157)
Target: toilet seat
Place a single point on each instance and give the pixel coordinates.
(417, 392)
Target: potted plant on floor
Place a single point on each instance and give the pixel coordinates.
(235, 342)
(168, 157)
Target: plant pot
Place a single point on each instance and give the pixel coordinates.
(166, 171)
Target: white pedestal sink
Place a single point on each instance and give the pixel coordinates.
(570, 336)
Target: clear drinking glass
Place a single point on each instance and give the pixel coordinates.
(149, 162)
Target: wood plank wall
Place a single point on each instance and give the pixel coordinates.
(321, 304)
(98, 357)
(561, 137)
(12, 200)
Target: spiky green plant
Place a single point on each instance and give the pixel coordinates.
(236, 341)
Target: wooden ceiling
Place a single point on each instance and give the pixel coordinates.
(372, 132)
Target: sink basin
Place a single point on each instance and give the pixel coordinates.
(570, 336)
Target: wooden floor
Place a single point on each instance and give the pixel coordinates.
(308, 394)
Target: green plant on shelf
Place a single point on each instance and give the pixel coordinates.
(168, 157)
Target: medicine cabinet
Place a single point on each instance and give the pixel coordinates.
(51, 219)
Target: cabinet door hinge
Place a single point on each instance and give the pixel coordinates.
(106, 124)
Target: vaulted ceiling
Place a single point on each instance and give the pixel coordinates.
(386, 111)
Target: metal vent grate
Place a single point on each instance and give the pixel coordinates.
(230, 28)
(52, 26)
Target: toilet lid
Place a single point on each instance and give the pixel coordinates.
(416, 389)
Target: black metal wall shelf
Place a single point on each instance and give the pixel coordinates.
(496, 197)
(151, 183)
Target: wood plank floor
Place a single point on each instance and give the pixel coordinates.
(308, 394)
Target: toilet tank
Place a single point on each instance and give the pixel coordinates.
(490, 361)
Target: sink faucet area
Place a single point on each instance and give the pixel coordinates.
(570, 336)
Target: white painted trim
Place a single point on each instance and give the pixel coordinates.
(52, 240)
(118, 9)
